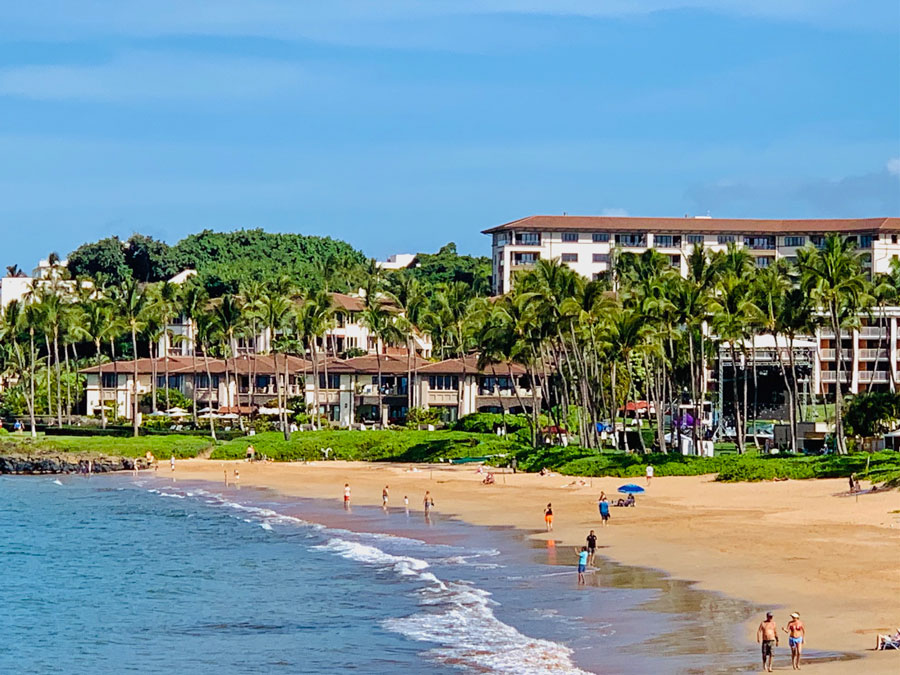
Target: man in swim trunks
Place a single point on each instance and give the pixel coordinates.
(767, 634)
(796, 632)
(591, 547)
(548, 517)
(603, 505)
(384, 497)
(582, 563)
(346, 495)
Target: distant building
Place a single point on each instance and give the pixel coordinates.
(398, 261)
(588, 244)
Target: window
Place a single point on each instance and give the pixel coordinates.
(667, 240)
(817, 240)
(675, 260)
(633, 240)
(764, 261)
(794, 241)
(525, 258)
(601, 258)
(695, 239)
(726, 239)
(201, 381)
(262, 381)
(759, 242)
(865, 241)
(529, 238)
(443, 382)
(500, 238)
(109, 380)
(569, 257)
(334, 381)
(600, 237)
(893, 238)
(570, 236)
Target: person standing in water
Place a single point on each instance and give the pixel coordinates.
(172, 462)
(796, 632)
(428, 502)
(582, 563)
(591, 547)
(346, 495)
(767, 635)
(384, 497)
(548, 517)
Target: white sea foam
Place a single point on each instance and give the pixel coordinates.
(57, 482)
(459, 617)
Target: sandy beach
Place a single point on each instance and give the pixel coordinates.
(800, 546)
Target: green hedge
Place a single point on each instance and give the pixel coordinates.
(376, 445)
(161, 446)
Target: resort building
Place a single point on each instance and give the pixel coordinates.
(588, 244)
(348, 389)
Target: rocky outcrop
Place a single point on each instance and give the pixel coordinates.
(37, 463)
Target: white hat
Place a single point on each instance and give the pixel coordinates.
(795, 615)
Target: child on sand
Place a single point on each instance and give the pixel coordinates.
(346, 494)
(548, 517)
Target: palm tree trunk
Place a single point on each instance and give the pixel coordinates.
(194, 384)
(102, 390)
(209, 382)
(134, 385)
(59, 403)
(68, 386)
(838, 394)
(166, 368)
(315, 364)
(792, 410)
(115, 364)
(49, 380)
(380, 396)
(31, 383)
(151, 348)
(739, 437)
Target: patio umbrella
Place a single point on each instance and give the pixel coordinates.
(207, 409)
(207, 416)
(229, 416)
(631, 489)
(177, 412)
(158, 413)
(263, 410)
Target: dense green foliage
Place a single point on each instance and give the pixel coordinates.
(161, 446)
(398, 446)
(447, 266)
(872, 413)
(175, 397)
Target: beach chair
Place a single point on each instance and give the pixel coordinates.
(890, 642)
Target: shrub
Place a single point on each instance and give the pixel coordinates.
(487, 423)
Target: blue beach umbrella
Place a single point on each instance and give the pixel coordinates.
(631, 489)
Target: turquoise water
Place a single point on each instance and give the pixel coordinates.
(114, 574)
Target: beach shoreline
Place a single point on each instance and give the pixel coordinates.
(790, 546)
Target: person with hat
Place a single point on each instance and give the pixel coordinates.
(767, 635)
(796, 632)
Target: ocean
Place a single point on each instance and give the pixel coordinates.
(117, 574)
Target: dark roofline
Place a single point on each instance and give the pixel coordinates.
(699, 225)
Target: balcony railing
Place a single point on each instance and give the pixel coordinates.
(873, 376)
(873, 332)
(873, 354)
(831, 376)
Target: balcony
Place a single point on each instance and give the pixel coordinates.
(873, 354)
(831, 376)
(760, 243)
(867, 376)
(873, 332)
(527, 240)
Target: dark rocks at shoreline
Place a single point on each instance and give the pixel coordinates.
(62, 463)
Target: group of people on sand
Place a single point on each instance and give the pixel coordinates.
(427, 501)
(767, 636)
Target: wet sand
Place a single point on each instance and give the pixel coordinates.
(790, 546)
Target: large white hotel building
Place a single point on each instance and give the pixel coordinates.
(871, 353)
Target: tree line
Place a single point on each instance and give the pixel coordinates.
(590, 348)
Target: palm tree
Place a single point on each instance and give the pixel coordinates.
(314, 318)
(12, 321)
(275, 310)
(205, 331)
(380, 322)
(97, 322)
(193, 301)
(407, 293)
(834, 277)
(229, 316)
(133, 303)
(165, 306)
(625, 336)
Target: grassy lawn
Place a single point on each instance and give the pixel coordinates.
(161, 446)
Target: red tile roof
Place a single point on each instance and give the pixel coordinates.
(676, 225)
(469, 364)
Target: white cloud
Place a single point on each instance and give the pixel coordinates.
(893, 166)
(145, 75)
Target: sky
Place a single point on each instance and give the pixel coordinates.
(400, 125)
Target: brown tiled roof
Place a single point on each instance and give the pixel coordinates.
(262, 364)
(469, 364)
(348, 303)
(700, 225)
(390, 364)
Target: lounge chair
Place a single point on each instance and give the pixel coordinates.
(889, 641)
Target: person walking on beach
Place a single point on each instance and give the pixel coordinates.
(603, 505)
(591, 547)
(384, 497)
(548, 517)
(582, 562)
(796, 632)
(346, 495)
(172, 462)
(428, 502)
(649, 473)
(767, 635)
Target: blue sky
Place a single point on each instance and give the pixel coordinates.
(399, 125)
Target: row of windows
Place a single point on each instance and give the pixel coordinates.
(443, 382)
(669, 240)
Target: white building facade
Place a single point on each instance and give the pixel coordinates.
(588, 244)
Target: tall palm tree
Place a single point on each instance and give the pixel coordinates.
(626, 334)
(96, 320)
(275, 310)
(13, 324)
(229, 316)
(205, 331)
(380, 322)
(133, 303)
(407, 293)
(315, 319)
(834, 277)
(193, 300)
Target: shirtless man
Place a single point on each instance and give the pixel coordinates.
(767, 634)
(796, 632)
(384, 497)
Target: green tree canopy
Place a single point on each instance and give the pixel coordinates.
(101, 258)
(447, 266)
